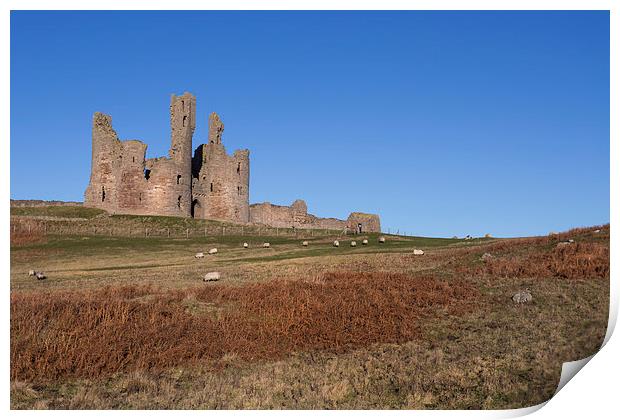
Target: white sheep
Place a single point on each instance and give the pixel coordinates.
(245, 245)
(522, 297)
(200, 255)
(31, 273)
(418, 252)
(212, 276)
(213, 251)
(365, 242)
(304, 243)
(40, 275)
(353, 243)
(336, 243)
(381, 239)
(266, 245)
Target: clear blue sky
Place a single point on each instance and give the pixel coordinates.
(444, 123)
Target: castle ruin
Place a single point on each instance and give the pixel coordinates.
(210, 184)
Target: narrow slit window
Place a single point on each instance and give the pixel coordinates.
(102, 194)
(239, 167)
(212, 187)
(179, 202)
(184, 119)
(178, 179)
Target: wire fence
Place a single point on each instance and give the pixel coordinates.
(74, 229)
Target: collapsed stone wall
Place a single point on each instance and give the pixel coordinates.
(208, 185)
(296, 216)
(123, 181)
(221, 187)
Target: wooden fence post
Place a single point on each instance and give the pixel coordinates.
(187, 233)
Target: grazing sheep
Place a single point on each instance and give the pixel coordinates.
(382, 239)
(213, 251)
(266, 245)
(212, 276)
(418, 252)
(570, 241)
(31, 273)
(522, 296)
(365, 242)
(245, 245)
(304, 243)
(353, 243)
(200, 255)
(597, 231)
(336, 243)
(40, 275)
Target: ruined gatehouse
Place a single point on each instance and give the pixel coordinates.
(208, 184)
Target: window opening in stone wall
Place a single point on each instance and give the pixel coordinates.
(184, 119)
(140, 197)
(238, 190)
(178, 179)
(147, 173)
(239, 167)
(102, 194)
(179, 202)
(212, 187)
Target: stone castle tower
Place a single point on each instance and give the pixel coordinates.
(210, 184)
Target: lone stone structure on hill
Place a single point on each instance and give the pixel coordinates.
(210, 184)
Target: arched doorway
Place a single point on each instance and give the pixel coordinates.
(196, 208)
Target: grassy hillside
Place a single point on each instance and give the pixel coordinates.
(126, 322)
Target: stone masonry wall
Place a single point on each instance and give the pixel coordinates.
(296, 216)
(222, 183)
(208, 185)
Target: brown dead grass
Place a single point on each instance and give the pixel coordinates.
(579, 260)
(19, 238)
(100, 332)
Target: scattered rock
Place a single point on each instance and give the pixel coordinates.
(336, 243)
(562, 244)
(418, 252)
(304, 243)
(488, 235)
(266, 245)
(200, 255)
(245, 245)
(353, 243)
(523, 296)
(213, 251)
(381, 239)
(212, 276)
(365, 242)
